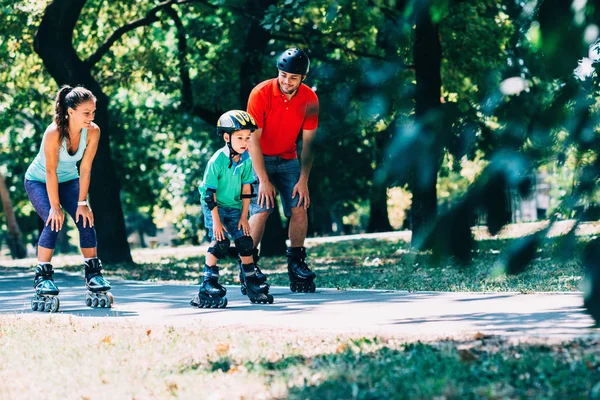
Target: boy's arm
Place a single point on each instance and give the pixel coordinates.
(246, 190)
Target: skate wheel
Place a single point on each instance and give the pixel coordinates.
(252, 300)
(34, 304)
(48, 305)
(224, 302)
(243, 290)
(95, 302)
(270, 298)
(88, 302)
(111, 300)
(293, 287)
(102, 303)
(54, 304)
(312, 288)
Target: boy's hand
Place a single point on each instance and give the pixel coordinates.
(244, 225)
(219, 230)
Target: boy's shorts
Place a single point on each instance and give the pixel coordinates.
(284, 175)
(230, 217)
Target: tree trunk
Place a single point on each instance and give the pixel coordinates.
(15, 238)
(54, 44)
(273, 241)
(427, 54)
(378, 213)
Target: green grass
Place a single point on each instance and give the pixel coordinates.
(382, 264)
(60, 357)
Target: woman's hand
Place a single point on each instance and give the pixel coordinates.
(56, 218)
(85, 212)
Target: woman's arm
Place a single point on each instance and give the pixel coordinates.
(85, 168)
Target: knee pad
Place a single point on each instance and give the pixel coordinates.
(219, 250)
(245, 246)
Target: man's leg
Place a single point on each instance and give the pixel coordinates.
(298, 227)
(301, 277)
(257, 226)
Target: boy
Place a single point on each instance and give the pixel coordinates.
(226, 193)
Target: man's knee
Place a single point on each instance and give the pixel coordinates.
(262, 216)
(299, 213)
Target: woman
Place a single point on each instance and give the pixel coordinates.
(52, 183)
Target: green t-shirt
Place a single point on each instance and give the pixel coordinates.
(227, 182)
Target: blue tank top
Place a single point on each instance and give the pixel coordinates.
(67, 164)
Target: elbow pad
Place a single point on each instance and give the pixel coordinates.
(209, 199)
(249, 195)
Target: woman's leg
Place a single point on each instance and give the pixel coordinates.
(69, 196)
(38, 195)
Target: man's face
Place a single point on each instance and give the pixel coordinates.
(289, 83)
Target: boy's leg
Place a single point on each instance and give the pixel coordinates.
(253, 282)
(211, 293)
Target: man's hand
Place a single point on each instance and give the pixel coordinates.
(266, 194)
(301, 189)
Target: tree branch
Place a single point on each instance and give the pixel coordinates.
(150, 18)
(187, 98)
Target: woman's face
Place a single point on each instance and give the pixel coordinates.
(83, 115)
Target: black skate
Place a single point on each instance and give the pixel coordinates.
(45, 299)
(302, 279)
(257, 292)
(262, 278)
(210, 294)
(97, 286)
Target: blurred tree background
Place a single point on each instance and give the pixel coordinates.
(438, 111)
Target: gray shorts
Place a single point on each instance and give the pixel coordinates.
(284, 175)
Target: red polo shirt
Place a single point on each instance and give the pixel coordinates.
(280, 119)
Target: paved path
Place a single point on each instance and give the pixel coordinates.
(426, 315)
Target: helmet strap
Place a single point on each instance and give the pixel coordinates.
(232, 152)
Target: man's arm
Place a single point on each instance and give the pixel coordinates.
(307, 156)
(256, 154)
(266, 191)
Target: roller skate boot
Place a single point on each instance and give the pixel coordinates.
(97, 286)
(211, 293)
(257, 291)
(302, 279)
(262, 278)
(45, 299)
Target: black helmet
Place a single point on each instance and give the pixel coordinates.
(235, 120)
(294, 61)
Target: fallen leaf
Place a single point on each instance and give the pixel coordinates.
(222, 349)
(342, 348)
(106, 340)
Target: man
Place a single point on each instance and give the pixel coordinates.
(284, 108)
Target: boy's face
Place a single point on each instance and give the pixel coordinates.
(240, 140)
